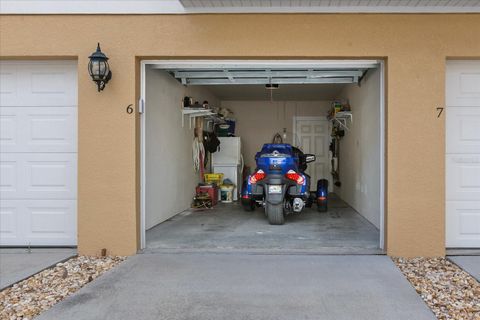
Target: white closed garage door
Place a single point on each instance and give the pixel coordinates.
(38, 153)
(463, 154)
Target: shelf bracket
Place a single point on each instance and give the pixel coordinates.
(342, 119)
(342, 123)
(193, 114)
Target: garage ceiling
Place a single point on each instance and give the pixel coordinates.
(247, 79)
(279, 75)
(310, 92)
(267, 72)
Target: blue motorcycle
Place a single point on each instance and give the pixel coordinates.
(279, 182)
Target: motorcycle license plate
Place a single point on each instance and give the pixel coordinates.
(274, 189)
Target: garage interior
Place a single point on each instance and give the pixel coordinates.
(299, 102)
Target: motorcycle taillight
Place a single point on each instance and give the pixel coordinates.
(257, 176)
(292, 175)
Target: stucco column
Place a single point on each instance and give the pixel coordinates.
(415, 154)
(107, 158)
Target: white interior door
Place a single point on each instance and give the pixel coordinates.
(38, 153)
(312, 136)
(463, 154)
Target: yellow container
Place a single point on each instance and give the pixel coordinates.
(216, 178)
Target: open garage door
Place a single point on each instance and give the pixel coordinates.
(38, 153)
(463, 154)
(262, 99)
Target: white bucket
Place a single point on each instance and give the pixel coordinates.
(226, 192)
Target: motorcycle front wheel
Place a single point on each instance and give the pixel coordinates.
(275, 213)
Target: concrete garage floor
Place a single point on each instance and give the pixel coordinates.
(246, 286)
(228, 227)
(18, 264)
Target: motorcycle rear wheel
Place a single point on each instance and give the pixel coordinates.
(275, 213)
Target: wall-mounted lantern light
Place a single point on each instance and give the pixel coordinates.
(99, 69)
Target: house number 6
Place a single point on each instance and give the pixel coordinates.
(130, 109)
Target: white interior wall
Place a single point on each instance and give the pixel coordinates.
(359, 162)
(170, 178)
(258, 121)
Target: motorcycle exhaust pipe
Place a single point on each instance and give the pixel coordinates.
(298, 204)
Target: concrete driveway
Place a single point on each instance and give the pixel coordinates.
(470, 264)
(246, 286)
(18, 264)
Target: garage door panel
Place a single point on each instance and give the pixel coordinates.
(45, 222)
(38, 84)
(8, 222)
(51, 176)
(29, 129)
(463, 128)
(50, 86)
(463, 176)
(463, 227)
(38, 176)
(463, 154)
(463, 83)
(8, 177)
(8, 85)
(53, 130)
(8, 130)
(38, 152)
(48, 220)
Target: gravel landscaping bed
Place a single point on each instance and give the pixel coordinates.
(449, 291)
(30, 297)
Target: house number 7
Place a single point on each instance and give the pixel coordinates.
(440, 110)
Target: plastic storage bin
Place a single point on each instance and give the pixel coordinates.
(216, 178)
(223, 130)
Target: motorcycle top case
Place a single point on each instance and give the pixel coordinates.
(276, 158)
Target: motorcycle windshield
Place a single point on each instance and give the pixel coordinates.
(278, 148)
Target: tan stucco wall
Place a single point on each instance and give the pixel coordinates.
(415, 47)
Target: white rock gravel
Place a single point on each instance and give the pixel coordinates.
(449, 291)
(30, 297)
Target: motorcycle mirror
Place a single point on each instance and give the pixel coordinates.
(309, 158)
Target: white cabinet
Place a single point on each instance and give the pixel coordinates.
(229, 161)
